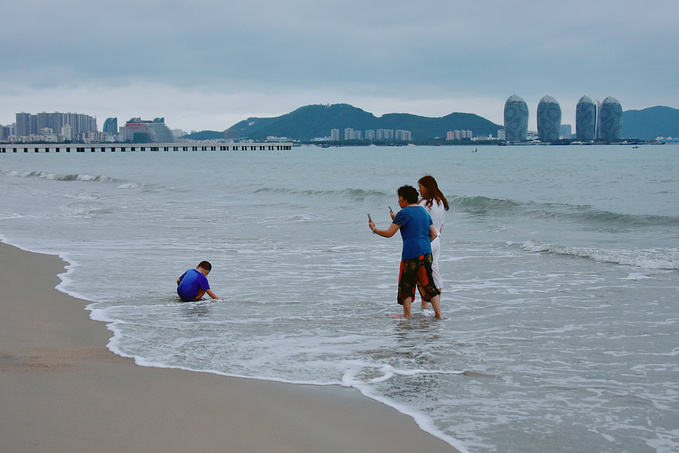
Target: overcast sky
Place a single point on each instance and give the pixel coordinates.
(207, 64)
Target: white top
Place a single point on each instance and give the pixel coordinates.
(437, 213)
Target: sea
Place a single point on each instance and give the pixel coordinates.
(560, 268)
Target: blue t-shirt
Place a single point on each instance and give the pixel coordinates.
(414, 222)
(191, 283)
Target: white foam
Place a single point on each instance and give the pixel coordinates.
(647, 259)
(636, 276)
(128, 186)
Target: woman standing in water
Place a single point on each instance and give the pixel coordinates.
(436, 205)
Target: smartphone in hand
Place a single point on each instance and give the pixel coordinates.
(369, 218)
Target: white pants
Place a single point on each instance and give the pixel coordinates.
(435, 273)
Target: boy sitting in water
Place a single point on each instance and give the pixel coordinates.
(192, 285)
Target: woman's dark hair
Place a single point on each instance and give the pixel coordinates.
(433, 192)
(408, 193)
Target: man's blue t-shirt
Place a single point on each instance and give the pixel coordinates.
(414, 222)
(191, 283)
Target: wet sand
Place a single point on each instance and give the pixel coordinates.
(62, 390)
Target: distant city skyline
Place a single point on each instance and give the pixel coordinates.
(110, 123)
(594, 120)
(59, 127)
(178, 130)
(54, 126)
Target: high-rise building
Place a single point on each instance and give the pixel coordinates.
(67, 132)
(403, 135)
(585, 119)
(610, 119)
(28, 124)
(23, 121)
(516, 119)
(384, 134)
(142, 131)
(549, 119)
(565, 131)
(111, 126)
(52, 121)
(351, 134)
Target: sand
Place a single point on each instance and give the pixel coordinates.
(62, 390)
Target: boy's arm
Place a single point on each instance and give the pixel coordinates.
(211, 294)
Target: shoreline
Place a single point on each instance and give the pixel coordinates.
(61, 389)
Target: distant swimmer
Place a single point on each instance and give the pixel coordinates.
(417, 232)
(193, 284)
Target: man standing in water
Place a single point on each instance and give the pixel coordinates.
(417, 232)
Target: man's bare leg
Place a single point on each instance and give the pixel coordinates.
(406, 307)
(436, 304)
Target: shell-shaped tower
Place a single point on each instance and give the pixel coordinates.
(549, 119)
(516, 119)
(610, 119)
(585, 119)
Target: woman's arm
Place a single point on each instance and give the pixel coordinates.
(432, 233)
(389, 232)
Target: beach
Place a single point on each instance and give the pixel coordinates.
(61, 389)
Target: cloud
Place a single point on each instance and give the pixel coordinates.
(211, 63)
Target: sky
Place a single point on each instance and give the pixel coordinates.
(208, 64)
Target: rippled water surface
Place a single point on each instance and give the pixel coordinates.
(560, 267)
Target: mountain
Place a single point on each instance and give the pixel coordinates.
(647, 124)
(312, 121)
(204, 135)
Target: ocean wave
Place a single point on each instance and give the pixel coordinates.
(480, 203)
(354, 194)
(666, 259)
(482, 206)
(63, 177)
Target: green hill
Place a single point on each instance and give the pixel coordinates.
(650, 123)
(205, 135)
(312, 121)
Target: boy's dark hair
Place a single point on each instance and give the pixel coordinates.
(205, 265)
(408, 193)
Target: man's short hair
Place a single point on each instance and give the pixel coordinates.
(205, 265)
(408, 193)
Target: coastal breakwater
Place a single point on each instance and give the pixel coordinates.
(141, 147)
